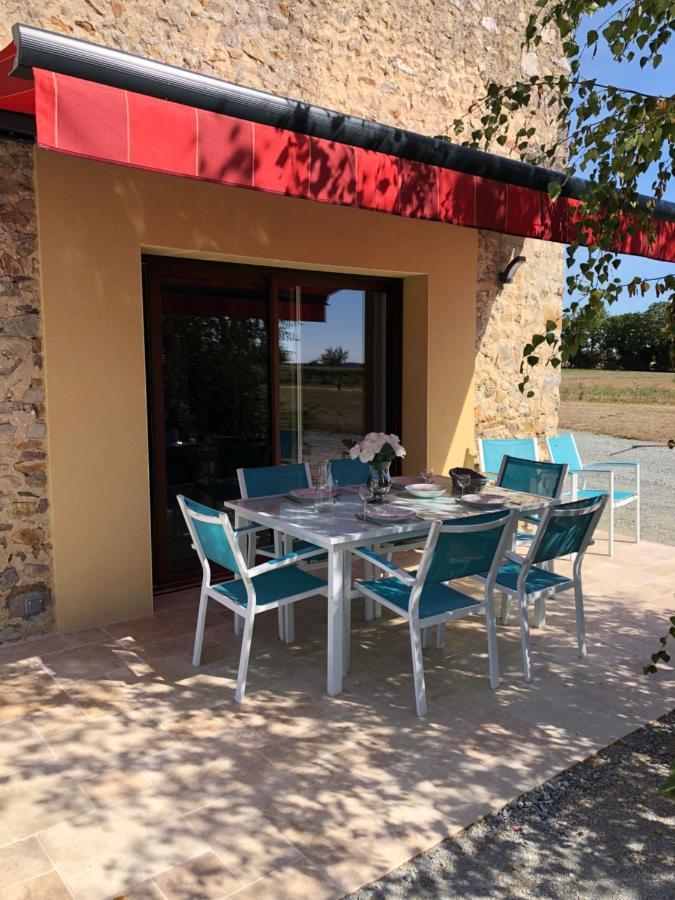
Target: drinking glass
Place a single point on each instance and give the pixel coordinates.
(426, 475)
(463, 479)
(323, 491)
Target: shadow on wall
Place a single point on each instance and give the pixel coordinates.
(507, 315)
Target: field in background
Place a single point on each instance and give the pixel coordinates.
(639, 405)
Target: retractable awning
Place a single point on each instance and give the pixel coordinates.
(96, 102)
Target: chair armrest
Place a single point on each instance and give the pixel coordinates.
(385, 564)
(609, 462)
(288, 560)
(591, 471)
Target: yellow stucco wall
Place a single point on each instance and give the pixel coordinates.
(94, 222)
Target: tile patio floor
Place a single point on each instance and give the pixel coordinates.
(124, 772)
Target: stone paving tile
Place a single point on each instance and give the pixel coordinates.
(22, 861)
(21, 742)
(33, 798)
(28, 693)
(247, 842)
(116, 847)
(88, 660)
(45, 887)
(203, 878)
(289, 883)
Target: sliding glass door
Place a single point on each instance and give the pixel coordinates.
(249, 367)
(333, 378)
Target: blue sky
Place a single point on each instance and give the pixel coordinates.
(652, 81)
(344, 327)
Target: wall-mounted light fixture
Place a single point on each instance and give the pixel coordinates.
(507, 276)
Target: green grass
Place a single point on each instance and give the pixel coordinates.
(601, 386)
(325, 408)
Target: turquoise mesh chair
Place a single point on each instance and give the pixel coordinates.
(349, 471)
(563, 449)
(273, 585)
(531, 476)
(565, 529)
(265, 481)
(492, 450)
(425, 599)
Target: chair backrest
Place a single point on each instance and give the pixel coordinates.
(543, 478)
(212, 535)
(470, 547)
(492, 450)
(349, 471)
(265, 481)
(563, 449)
(566, 528)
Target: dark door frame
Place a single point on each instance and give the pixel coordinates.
(159, 270)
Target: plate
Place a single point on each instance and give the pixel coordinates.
(482, 501)
(302, 495)
(390, 515)
(425, 491)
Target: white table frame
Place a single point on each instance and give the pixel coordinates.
(268, 511)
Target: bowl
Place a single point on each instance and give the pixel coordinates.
(425, 491)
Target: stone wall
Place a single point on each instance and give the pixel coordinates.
(415, 63)
(507, 316)
(24, 506)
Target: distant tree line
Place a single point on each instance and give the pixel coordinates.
(636, 342)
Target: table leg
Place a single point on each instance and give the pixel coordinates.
(335, 621)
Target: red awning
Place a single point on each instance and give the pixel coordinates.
(16, 94)
(97, 121)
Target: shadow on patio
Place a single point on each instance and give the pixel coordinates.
(126, 769)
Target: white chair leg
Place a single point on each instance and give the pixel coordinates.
(440, 636)
(201, 622)
(581, 625)
(377, 610)
(281, 613)
(610, 540)
(540, 612)
(506, 608)
(426, 638)
(243, 659)
(369, 575)
(346, 643)
(418, 670)
(289, 622)
(238, 624)
(525, 639)
(493, 653)
(637, 519)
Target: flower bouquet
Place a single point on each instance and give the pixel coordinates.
(379, 450)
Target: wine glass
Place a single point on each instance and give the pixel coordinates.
(463, 480)
(365, 494)
(426, 475)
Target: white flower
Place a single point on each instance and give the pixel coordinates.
(373, 443)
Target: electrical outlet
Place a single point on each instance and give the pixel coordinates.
(34, 606)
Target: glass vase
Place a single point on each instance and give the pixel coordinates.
(379, 480)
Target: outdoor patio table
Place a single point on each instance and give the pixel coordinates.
(338, 530)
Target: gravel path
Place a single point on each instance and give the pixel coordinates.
(657, 482)
(596, 831)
